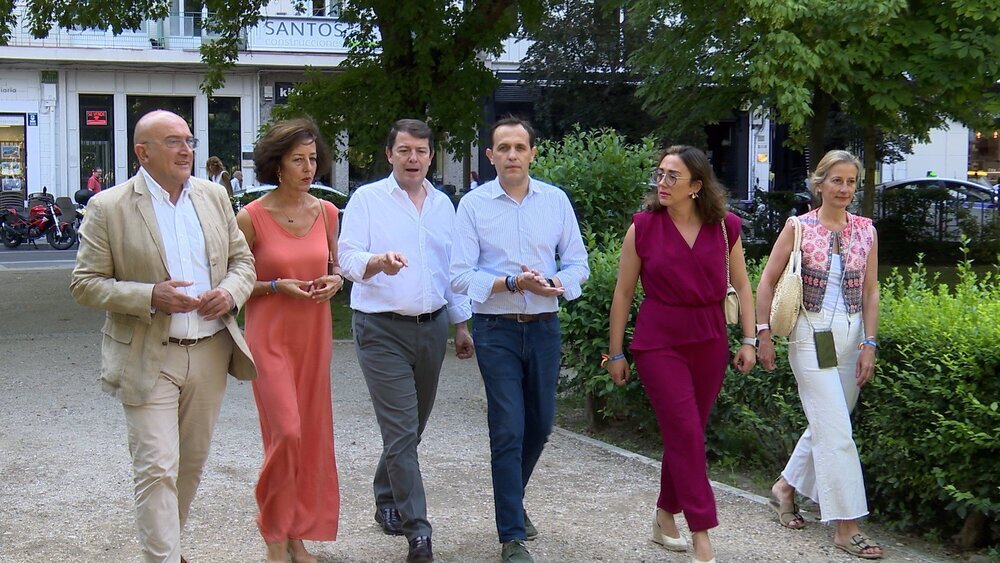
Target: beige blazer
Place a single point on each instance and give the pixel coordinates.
(121, 256)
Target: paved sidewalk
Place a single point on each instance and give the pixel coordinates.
(65, 487)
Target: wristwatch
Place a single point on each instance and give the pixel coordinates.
(751, 341)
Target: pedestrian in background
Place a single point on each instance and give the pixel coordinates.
(95, 182)
(293, 236)
(681, 344)
(217, 173)
(237, 181)
(831, 351)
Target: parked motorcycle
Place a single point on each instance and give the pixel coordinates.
(43, 220)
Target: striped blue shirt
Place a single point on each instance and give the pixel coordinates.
(495, 235)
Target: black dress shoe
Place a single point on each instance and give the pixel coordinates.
(420, 550)
(390, 521)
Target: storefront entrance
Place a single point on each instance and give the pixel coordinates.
(13, 161)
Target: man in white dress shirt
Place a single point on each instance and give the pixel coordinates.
(395, 245)
(518, 249)
(163, 256)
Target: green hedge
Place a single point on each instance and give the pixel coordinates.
(929, 426)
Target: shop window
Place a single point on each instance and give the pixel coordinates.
(13, 169)
(97, 138)
(138, 106)
(224, 131)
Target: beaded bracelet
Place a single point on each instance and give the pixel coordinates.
(274, 286)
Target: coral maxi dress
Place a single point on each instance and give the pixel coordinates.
(291, 342)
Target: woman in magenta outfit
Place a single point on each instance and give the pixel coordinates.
(681, 344)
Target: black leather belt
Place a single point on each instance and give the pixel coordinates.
(418, 319)
(522, 317)
(191, 341)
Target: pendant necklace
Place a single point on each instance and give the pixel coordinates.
(290, 220)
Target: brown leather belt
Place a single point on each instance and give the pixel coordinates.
(418, 319)
(185, 342)
(522, 317)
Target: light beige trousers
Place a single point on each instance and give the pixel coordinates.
(169, 438)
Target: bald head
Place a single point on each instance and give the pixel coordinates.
(148, 126)
(165, 148)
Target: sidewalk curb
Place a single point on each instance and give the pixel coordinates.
(901, 549)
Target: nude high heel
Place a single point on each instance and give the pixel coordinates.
(673, 544)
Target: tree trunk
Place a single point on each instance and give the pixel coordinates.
(594, 406)
(822, 102)
(871, 160)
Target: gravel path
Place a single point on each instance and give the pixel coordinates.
(65, 481)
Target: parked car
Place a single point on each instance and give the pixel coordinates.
(337, 197)
(264, 188)
(934, 208)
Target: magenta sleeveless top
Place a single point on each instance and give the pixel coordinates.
(684, 286)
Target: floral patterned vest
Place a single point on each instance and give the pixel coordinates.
(817, 247)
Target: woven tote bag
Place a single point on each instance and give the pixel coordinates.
(788, 291)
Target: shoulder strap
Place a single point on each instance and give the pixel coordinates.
(797, 245)
(725, 237)
(331, 259)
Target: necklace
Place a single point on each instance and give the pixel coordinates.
(290, 220)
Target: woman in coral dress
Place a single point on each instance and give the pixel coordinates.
(289, 330)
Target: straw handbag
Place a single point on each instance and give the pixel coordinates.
(731, 304)
(788, 291)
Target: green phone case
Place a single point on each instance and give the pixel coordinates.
(826, 351)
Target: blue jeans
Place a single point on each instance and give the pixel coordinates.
(520, 367)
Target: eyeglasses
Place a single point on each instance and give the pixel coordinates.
(668, 178)
(176, 142)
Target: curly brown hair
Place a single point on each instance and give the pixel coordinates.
(711, 201)
(280, 138)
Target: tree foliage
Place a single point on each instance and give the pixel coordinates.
(405, 59)
(898, 67)
(579, 65)
(413, 59)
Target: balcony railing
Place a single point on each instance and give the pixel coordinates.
(178, 31)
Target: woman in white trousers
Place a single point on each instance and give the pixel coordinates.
(831, 351)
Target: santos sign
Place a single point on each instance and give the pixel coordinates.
(322, 35)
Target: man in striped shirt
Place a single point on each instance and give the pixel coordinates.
(517, 249)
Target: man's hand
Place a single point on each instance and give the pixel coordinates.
(535, 282)
(215, 303)
(464, 347)
(167, 299)
(392, 262)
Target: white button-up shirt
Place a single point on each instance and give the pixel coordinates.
(187, 257)
(379, 218)
(496, 235)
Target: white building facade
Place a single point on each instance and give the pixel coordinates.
(69, 102)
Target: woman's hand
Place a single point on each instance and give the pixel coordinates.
(866, 366)
(619, 371)
(745, 358)
(325, 287)
(765, 350)
(294, 288)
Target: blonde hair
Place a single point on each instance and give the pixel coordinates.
(829, 160)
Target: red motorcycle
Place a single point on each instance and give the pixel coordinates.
(42, 220)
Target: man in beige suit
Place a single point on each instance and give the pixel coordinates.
(163, 256)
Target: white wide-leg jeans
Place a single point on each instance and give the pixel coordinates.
(824, 465)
